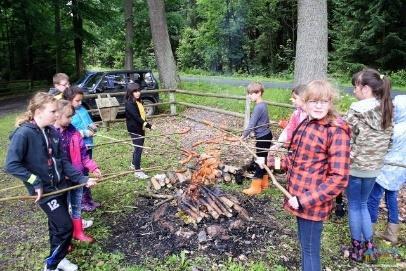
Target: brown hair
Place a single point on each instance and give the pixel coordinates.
(255, 87)
(381, 87)
(322, 90)
(38, 101)
(62, 104)
(60, 77)
(131, 88)
(299, 90)
(71, 92)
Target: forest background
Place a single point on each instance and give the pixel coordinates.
(244, 37)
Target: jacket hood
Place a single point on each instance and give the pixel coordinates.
(400, 109)
(369, 111)
(25, 124)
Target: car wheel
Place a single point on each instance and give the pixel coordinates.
(150, 110)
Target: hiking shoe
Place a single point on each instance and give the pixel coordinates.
(87, 223)
(66, 265)
(140, 175)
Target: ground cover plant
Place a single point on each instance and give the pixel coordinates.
(125, 240)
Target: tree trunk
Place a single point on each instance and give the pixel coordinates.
(129, 34)
(78, 37)
(163, 52)
(58, 40)
(311, 45)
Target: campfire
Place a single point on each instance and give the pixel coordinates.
(197, 194)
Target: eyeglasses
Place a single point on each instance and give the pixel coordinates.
(320, 102)
(67, 84)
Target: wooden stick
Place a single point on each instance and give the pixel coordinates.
(163, 135)
(13, 187)
(118, 141)
(75, 186)
(274, 181)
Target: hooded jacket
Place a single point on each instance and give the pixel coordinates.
(317, 166)
(369, 141)
(393, 177)
(38, 166)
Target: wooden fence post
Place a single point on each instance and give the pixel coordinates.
(247, 111)
(172, 100)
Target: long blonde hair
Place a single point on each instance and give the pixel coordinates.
(39, 100)
(322, 90)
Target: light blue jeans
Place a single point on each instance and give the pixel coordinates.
(75, 199)
(358, 191)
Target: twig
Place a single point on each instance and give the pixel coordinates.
(13, 187)
(117, 140)
(164, 201)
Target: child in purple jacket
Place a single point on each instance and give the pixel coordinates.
(75, 148)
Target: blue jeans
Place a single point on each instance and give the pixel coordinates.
(75, 198)
(358, 191)
(390, 200)
(309, 233)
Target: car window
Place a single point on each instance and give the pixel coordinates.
(91, 83)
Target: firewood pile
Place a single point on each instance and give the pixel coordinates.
(197, 195)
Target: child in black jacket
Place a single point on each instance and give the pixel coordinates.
(136, 123)
(35, 156)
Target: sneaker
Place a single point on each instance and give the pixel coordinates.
(46, 268)
(132, 167)
(140, 175)
(66, 265)
(87, 223)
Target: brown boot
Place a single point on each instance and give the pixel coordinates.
(265, 182)
(390, 234)
(255, 188)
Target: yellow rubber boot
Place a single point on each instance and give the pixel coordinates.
(255, 188)
(265, 182)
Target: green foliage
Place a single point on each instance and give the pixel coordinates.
(368, 33)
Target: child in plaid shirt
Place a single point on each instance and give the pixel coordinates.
(317, 167)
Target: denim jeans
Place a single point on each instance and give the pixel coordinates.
(137, 151)
(358, 191)
(309, 233)
(75, 199)
(390, 200)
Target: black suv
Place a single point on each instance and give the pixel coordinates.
(117, 81)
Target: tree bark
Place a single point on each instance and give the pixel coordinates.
(162, 47)
(58, 41)
(311, 45)
(78, 37)
(129, 34)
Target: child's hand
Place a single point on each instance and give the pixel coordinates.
(294, 203)
(148, 125)
(39, 194)
(270, 160)
(97, 173)
(91, 182)
(243, 138)
(90, 133)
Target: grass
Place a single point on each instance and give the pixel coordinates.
(28, 245)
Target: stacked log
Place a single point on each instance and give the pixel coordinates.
(202, 201)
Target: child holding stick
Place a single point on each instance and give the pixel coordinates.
(35, 156)
(82, 121)
(75, 148)
(317, 167)
(258, 123)
(136, 123)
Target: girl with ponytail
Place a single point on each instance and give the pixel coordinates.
(370, 120)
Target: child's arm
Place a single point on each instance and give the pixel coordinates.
(83, 123)
(256, 114)
(14, 164)
(85, 159)
(338, 172)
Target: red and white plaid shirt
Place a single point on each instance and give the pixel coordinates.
(318, 166)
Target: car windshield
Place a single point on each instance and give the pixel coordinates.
(91, 83)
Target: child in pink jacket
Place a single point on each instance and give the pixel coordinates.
(75, 148)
